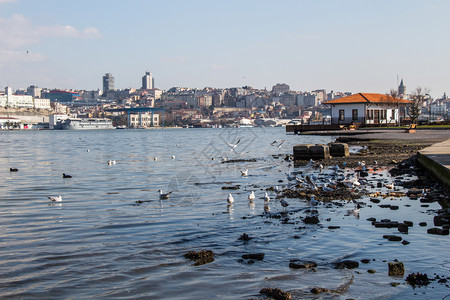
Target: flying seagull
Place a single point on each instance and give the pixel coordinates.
(233, 145)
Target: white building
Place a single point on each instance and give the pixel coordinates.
(368, 109)
(143, 120)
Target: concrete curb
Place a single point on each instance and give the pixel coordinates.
(436, 160)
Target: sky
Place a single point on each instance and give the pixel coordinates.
(345, 46)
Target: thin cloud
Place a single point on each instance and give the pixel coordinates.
(7, 1)
(175, 59)
(221, 67)
(18, 31)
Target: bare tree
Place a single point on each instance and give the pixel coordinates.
(418, 98)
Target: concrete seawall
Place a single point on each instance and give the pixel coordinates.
(436, 160)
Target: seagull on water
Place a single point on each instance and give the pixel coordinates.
(13, 170)
(244, 173)
(266, 197)
(164, 195)
(55, 198)
(155, 158)
(233, 146)
(173, 156)
(284, 203)
(230, 199)
(111, 162)
(251, 197)
(66, 175)
(313, 201)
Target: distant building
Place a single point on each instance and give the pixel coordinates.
(108, 82)
(143, 120)
(61, 96)
(34, 91)
(148, 82)
(401, 90)
(280, 88)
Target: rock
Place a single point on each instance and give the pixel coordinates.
(408, 223)
(201, 257)
(370, 271)
(318, 290)
(347, 264)
(311, 220)
(365, 261)
(230, 187)
(296, 264)
(438, 231)
(394, 207)
(392, 238)
(405, 242)
(403, 228)
(396, 269)
(276, 293)
(255, 256)
(375, 200)
(334, 227)
(245, 237)
(423, 224)
(417, 279)
(372, 219)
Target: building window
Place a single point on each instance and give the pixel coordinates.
(370, 114)
(341, 115)
(354, 114)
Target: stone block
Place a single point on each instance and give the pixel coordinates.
(339, 150)
(302, 152)
(320, 152)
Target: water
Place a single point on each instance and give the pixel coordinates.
(112, 237)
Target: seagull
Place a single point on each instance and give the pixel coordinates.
(321, 168)
(230, 199)
(390, 186)
(155, 158)
(266, 197)
(173, 156)
(313, 201)
(244, 173)
(164, 196)
(13, 170)
(251, 197)
(233, 145)
(66, 175)
(55, 198)
(284, 203)
(277, 189)
(111, 162)
(274, 142)
(87, 150)
(355, 211)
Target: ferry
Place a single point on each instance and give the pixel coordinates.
(88, 123)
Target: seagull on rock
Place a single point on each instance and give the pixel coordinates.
(55, 198)
(164, 195)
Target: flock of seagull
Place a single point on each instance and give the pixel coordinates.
(326, 182)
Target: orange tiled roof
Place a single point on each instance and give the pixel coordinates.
(367, 98)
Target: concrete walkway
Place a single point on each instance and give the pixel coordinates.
(436, 159)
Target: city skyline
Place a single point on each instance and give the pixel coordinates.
(353, 46)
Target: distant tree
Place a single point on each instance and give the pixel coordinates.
(418, 98)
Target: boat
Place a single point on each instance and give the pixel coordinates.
(87, 123)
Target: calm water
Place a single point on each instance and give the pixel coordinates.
(100, 243)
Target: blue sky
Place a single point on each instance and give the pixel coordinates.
(356, 46)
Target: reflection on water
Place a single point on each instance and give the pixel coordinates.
(112, 236)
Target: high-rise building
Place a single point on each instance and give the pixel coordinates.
(108, 82)
(148, 82)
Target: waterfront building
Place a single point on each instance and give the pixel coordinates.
(148, 82)
(143, 120)
(108, 82)
(41, 103)
(8, 99)
(368, 109)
